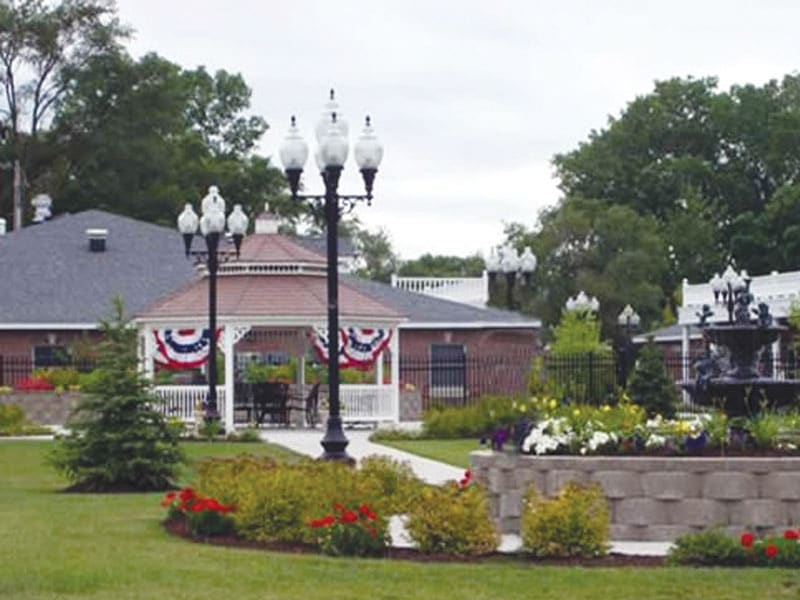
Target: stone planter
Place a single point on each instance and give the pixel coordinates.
(653, 499)
(43, 408)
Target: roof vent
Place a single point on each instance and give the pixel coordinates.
(2, 227)
(266, 222)
(97, 239)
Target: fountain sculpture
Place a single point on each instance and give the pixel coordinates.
(727, 376)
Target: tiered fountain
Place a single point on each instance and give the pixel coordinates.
(737, 387)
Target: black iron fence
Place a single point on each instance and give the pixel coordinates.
(16, 369)
(458, 380)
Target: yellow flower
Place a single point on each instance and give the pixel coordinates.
(553, 404)
(606, 408)
(576, 413)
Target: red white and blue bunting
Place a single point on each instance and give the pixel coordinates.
(182, 348)
(358, 348)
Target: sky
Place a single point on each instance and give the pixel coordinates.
(471, 99)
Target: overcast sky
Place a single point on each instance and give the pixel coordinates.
(471, 99)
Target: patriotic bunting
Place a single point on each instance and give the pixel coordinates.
(358, 348)
(182, 348)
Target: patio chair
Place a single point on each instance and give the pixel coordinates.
(270, 402)
(309, 405)
(243, 400)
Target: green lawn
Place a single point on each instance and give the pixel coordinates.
(452, 452)
(111, 546)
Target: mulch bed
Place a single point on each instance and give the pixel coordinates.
(178, 528)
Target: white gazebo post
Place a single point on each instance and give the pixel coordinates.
(228, 338)
(394, 348)
(148, 354)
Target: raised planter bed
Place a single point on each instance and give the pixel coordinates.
(653, 498)
(43, 408)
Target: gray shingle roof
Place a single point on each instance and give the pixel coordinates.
(422, 309)
(670, 333)
(48, 274)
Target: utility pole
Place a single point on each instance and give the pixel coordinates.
(17, 195)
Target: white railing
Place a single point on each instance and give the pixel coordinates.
(180, 401)
(778, 290)
(367, 403)
(466, 290)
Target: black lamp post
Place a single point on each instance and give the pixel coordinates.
(211, 227)
(330, 156)
(514, 266)
(629, 319)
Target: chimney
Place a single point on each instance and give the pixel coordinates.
(42, 203)
(97, 239)
(266, 222)
(2, 227)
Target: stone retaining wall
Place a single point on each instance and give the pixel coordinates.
(653, 499)
(43, 408)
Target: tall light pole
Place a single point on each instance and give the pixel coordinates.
(330, 156)
(629, 319)
(211, 227)
(514, 266)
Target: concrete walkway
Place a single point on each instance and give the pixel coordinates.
(307, 442)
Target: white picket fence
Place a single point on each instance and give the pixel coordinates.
(367, 403)
(181, 401)
(360, 403)
(466, 290)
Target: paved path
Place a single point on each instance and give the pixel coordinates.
(307, 442)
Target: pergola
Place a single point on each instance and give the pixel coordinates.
(275, 284)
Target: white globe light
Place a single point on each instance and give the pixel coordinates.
(213, 202)
(333, 149)
(237, 221)
(368, 150)
(188, 220)
(293, 150)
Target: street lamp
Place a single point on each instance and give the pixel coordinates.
(211, 227)
(330, 156)
(629, 319)
(582, 303)
(513, 266)
(731, 285)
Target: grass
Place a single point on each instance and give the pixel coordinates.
(112, 546)
(453, 452)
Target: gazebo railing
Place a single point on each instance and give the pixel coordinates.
(367, 403)
(180, 401)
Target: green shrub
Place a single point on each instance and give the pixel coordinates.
(650, 386)
(573, 524)
(60, 377)
(395, 482)
(451, 519)
(707, 548)
(11, 416)
(249, 435)
(477, 419)
(276, 502)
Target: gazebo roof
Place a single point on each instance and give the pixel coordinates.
(275, 281)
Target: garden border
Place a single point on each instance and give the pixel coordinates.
(653, 499)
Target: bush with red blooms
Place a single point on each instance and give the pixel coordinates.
(204, 516)
(351, 532)
(34, 384)
(773, 550)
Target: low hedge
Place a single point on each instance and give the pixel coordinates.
(716, 548)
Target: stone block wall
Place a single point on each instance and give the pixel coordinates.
(653, 499)
(43, 408)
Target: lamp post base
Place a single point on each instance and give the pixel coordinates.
(335, 442)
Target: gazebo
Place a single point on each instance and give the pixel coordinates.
(274, 292)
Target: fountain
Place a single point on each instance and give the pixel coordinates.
(727, 377)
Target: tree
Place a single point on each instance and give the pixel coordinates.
(612, 253)
(42, 46)
(375, 251)
(143, 137)
(430, 265)
(651, 386)
(118, 441)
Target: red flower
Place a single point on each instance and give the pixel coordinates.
(465, 481)
(771, 551)
(371, 516)
(323, 522)
(198, 506)
(790, 534)
(348, 516)
(364, 509)
(747, 540)
(168, 499)
(187, 493)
